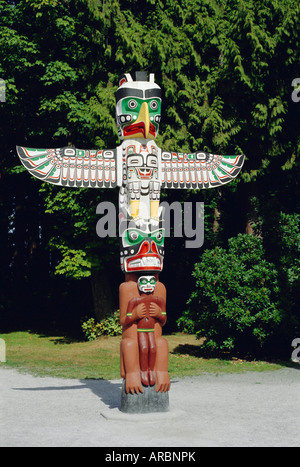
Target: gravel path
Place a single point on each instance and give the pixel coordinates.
(249, 409)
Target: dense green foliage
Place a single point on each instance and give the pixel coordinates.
(242, 301)
(109, 326)
(226, 69)
(236, 302)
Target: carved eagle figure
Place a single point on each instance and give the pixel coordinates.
(138, 114)
(137, 166)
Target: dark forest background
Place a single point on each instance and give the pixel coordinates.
(226, 70)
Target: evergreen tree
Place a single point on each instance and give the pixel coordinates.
(226, 70)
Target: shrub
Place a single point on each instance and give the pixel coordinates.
(109, 326)
(236, 301)
(288, 230)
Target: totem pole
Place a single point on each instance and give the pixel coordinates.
(140, 169)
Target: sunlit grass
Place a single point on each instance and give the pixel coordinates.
(56, 356)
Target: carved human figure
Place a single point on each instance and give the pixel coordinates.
(152, 309)
(144, 352)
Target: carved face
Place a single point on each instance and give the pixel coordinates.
(141, 248)
(138, 108)
(142, 167)
(143, 251)
(146, 284)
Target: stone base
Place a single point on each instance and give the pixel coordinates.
(147, 402)
(116, 415)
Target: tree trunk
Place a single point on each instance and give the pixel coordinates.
(103, 295)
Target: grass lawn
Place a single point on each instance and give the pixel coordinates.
(56, 356)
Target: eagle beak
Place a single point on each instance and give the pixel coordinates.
(144, 117)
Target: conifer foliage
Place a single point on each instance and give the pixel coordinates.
(226, 70)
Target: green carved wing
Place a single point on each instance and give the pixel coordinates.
(72, 167)
(199, 170)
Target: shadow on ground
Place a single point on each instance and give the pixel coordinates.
(108, 392)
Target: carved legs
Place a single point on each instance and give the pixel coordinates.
(138, 369)
(130, 369)
(163, 382)
(147, 354)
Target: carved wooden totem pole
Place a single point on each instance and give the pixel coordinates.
(141, 169)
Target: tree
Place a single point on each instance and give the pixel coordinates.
(226, 70)
(236, 301)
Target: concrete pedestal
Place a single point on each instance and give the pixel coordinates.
(147, 402)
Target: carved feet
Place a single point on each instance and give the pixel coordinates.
(135, 381)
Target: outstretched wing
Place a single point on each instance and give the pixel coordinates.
(198, 170)
(72, 167)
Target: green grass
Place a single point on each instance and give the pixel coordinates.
(56, 356)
